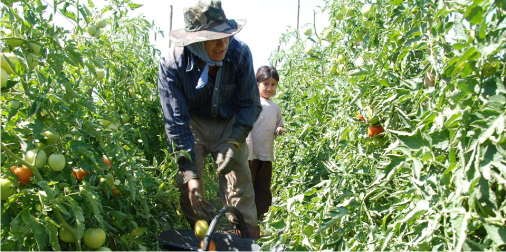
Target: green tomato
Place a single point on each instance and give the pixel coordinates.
(100, 74)
(66, 236)
(105, 122)
(308, 31)
(341, 59)
(38, 158)
(367, 10)
(328, 35)
(103, 249)
(7, 188)
(350, 13)
(113, 126)
(14, 42)
(309, 50)
(94, 237)
(359, 36)
(109, 179)
(97, 33)
(91, 30)
(56, 162)
(14, 104)
(102, 23)
(125, 118)
(34, 47)
(51, 137)
(490, 67)
(13, 58)
(339, 15)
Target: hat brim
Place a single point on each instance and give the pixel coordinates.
(227, 29)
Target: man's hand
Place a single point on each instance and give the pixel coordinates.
(200, 205)
(227, 158)
(279, 131)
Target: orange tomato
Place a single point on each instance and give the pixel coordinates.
(115, 191)
(24, 173)
(106, 160)
(374, 130)
(80, 174)
(212, 245)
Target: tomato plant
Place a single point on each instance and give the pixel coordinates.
(428, 72)
(54, 70)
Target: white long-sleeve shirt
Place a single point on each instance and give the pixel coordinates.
(261, 138)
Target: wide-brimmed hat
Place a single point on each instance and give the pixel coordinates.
(205, 20)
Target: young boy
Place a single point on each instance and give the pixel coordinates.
(261, 138)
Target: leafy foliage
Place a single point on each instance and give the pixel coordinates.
(433, 73)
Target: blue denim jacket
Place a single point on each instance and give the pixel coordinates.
(235, 93)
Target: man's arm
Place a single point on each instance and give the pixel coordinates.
(247, 95)
(176, 116)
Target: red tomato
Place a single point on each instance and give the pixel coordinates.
(24, 173)
(80, 174)
(374, 130)
(106, 160)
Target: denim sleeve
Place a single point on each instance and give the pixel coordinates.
(248, 98)
(176, 116)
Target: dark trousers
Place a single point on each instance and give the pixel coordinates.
(261, 176)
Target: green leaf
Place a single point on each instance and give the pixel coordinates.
(496, 127)
(308, 230)
(496, 233)
(40, 235)
(278, 225)
(134, 6)
(414, 140)
(474, 14)
(421, 207)
(52, 232)
(492, 43)
(293, 200)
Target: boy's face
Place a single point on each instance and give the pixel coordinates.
(216, 49)
(267, 88)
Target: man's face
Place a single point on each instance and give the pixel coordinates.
(216, 49)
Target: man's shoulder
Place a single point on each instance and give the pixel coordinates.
(238, 46)
(174, 54)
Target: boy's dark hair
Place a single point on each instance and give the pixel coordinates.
(266, 72)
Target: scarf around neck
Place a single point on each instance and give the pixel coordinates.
(200, 50)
